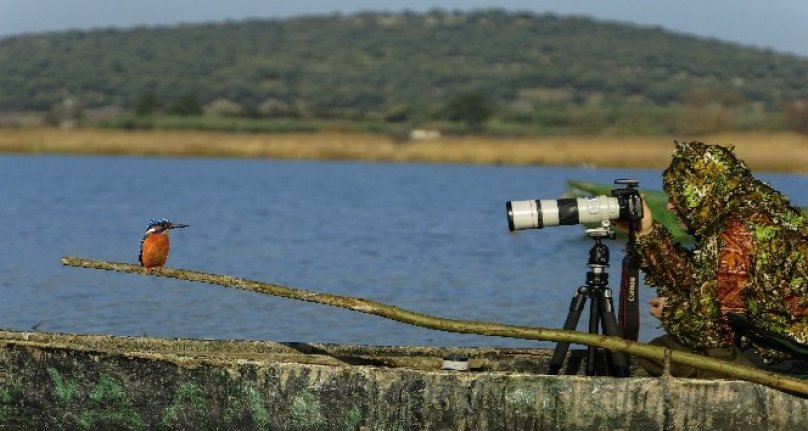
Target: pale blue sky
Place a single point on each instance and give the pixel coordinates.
(777, 24)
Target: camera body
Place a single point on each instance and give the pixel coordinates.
(624, 204)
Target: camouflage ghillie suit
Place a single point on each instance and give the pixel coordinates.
(749, 258)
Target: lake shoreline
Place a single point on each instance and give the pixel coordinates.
(770, 152)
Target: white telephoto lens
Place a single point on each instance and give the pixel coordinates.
(597, 209)
(523, 215)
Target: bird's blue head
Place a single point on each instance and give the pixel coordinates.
(162, 225)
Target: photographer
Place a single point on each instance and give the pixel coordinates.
(741, 294)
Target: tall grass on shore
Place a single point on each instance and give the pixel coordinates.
(773, 152)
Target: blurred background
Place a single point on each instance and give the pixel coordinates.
(278, 133)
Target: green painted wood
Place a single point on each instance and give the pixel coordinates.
(85, 382)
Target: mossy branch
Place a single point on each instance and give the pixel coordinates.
(362, 305)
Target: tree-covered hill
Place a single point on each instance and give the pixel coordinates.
(511, 67)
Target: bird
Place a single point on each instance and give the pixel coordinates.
(155, 244)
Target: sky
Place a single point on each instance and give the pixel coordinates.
(775, 24)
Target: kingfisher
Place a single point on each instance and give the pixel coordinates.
(154, 245)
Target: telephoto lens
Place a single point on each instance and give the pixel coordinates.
(536, 214)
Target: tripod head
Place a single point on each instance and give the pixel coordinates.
(599, 256)
(604, 231)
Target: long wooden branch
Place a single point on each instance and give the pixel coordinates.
(362, 305)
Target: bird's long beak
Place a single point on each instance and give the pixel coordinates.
(175, 226)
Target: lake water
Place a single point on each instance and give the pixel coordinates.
(430, 238)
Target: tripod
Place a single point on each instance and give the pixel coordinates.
(601, 309)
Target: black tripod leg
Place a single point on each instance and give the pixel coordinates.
(594, 327)
(574, 315)
(618, 360)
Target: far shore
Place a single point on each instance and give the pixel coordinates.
(769, 152)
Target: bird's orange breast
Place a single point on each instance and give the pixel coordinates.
(155, 250)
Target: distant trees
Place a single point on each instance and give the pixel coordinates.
(147, 104)
(476, 70)
(796, 115)
(224, 108)
(150, 103)
(470, 108)
(185, 105)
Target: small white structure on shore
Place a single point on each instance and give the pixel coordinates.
(424, 134)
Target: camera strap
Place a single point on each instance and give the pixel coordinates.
(629, 313)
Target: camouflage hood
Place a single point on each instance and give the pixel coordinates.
(707, 183)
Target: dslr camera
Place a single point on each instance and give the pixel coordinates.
(624, 204)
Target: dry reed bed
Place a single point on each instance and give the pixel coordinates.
(781, 152)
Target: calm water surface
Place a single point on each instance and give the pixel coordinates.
(430, 238)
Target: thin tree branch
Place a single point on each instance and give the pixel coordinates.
(362, 305)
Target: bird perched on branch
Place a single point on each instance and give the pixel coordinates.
(155, 244)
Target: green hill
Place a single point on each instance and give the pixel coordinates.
(486, 67)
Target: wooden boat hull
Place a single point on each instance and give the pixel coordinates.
(61, 381)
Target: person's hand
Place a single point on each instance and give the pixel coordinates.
(647, 221)
(646, 224)
(657, 305)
